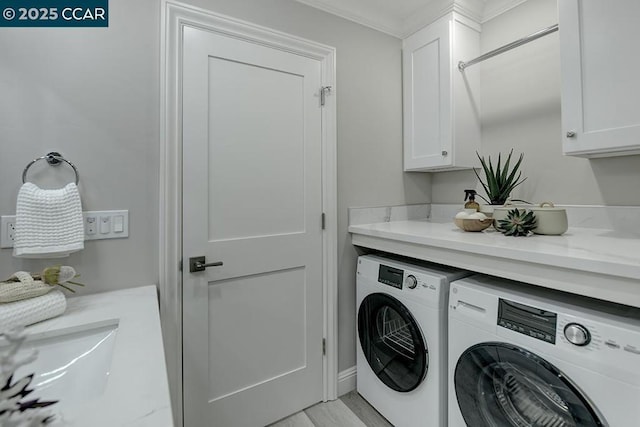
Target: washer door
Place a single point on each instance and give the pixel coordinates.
(500, 384)
(392, 342)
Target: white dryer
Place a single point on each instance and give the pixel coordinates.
(521, 355)
(401, 350)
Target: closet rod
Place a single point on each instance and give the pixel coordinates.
(531, 37)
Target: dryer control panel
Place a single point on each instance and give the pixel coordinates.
(390, 276)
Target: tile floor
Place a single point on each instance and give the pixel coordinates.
(350, 410)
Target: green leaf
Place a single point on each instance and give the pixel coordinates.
(486, 173)
(510, 187)
(493, 183)
(503, 177)
(515, 168)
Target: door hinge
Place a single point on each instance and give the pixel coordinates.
(180, 265)
(323, 220)
(324, 91)
(324, 346)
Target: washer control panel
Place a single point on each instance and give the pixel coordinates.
(577, 334)
(595, 337)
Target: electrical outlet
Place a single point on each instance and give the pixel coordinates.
(7, 230)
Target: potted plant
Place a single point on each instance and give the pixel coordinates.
(500, 181)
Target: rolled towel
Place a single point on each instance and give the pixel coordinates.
(32, 310)
(49, 223)
(26, 288)
(23, 285)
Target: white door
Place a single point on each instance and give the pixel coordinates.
(252, 199)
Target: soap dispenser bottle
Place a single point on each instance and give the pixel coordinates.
(471, 204)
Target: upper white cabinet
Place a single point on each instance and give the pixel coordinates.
(441, 117)
(600, 77)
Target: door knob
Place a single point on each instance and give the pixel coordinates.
(198, 263)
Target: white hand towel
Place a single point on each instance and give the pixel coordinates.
(32, 310)
(49, 223)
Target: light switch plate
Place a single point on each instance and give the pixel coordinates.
(104, 221)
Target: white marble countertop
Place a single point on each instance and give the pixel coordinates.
(137, 391)
(600, 263)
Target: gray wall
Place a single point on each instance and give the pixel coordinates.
(520, 93)
(93, 95)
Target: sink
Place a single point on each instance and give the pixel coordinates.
(73, 363)
(102, 360)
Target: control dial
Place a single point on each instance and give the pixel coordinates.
(411, 282)
(577, 334)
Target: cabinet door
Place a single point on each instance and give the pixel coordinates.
(600, 82)
(427, 97)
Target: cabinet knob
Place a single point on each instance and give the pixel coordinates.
(571, 134)
(444, 153)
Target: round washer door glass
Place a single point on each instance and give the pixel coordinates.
(500, 384)
(392, 342)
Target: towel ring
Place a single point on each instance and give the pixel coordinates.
(54, 159)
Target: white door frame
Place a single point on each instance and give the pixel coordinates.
(175, 16)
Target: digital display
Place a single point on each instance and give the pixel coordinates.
(390, 276)
(534, 322)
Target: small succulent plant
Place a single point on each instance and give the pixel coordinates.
(519, 222)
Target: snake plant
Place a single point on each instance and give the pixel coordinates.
(499, 182)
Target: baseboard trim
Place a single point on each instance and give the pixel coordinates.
(346, 381)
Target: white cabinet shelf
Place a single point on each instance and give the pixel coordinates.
(600, 83)
(441, 104)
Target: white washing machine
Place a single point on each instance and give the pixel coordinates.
(401, 350)
(521, 356)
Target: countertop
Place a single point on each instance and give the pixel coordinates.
(137, 392)
(600, 263)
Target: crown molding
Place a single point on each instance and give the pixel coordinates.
(378, 20)
(494, 8)
(432, 11)
(401, 27)
(472, 9)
